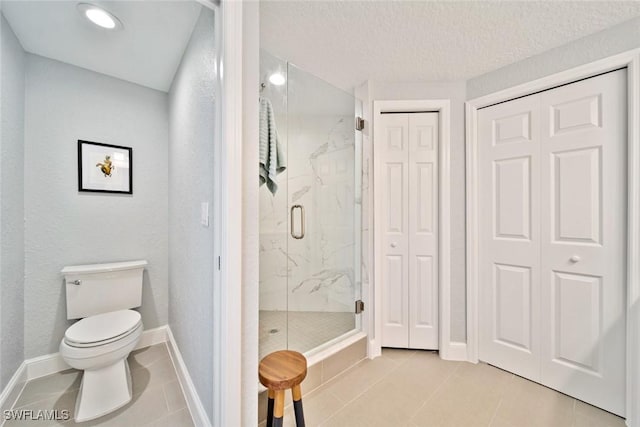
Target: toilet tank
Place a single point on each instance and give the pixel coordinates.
(100, 288)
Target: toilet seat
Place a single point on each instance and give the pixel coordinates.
(102, 329)
(93, 356)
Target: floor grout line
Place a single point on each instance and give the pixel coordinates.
(367, 389)
(51, 396)
(166, 401)
(495, 412)
(435, 392)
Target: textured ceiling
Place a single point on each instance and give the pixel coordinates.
(348, 42)
(147, 51)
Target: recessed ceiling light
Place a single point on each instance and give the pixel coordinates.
(277, 79)
(99, 16)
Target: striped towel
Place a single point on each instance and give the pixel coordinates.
(272, 162)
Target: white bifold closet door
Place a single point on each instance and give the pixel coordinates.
(408, 150)
(552, 219)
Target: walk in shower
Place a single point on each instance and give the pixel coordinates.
(310, 227)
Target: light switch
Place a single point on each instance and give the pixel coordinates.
(204, 214)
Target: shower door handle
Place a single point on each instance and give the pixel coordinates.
(293, 228)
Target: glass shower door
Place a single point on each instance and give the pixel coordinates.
(323, 241)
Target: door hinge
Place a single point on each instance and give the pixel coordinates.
(359, 123)
(219, 264)
(359, 306)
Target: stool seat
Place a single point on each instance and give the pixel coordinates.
(281, 370)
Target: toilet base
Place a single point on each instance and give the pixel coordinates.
(103, 391)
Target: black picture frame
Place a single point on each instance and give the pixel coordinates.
(99, 182)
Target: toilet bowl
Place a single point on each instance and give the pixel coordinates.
(101, 296)
(99, 345)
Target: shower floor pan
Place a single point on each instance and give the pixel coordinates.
(306, 329)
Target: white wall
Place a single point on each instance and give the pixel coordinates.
(611, 41)
(454, 91)
(250, 220)
(192, 130)
(12, 60)
(65, 103)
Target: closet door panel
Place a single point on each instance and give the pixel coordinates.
(509, 160)
(423, 230)
(583, 227)
(394, 152)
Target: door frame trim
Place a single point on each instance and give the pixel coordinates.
(448, 350)
(229, 208)
(630, 60)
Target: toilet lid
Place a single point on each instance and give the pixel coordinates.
(102, 327)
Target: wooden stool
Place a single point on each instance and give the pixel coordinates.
(279, 371)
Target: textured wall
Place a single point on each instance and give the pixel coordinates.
(191, 181)
(605, 43)
(12, 60)
(65, 103)
(456, 93)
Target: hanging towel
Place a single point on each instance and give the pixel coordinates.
(272, 162)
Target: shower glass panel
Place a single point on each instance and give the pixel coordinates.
(274, 259)
(310, 229)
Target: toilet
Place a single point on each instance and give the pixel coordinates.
(102, 296)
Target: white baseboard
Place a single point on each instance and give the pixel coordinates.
(152, 337)
(454, 351)
(373, 349)
(451, 350)
(42, 366)
(199, 415)
(12, 391)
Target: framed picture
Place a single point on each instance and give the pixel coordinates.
(104, 168)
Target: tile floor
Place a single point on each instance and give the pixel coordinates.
(157, 397)
(405, 388)
(306, 329)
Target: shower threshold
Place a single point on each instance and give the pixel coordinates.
(301, 331)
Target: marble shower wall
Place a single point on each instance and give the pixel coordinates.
(321, 178)
(315, 273)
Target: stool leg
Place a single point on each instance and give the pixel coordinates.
(278, 411)
(270, 408)
(297, 405)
